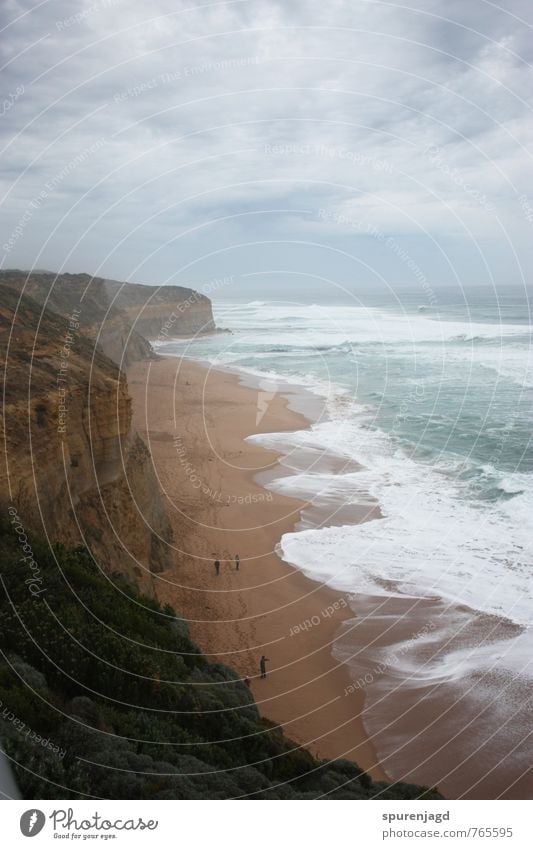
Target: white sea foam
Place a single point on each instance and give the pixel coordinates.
(431, 539)
(333, 325)
(285, 330)
(452, 550)
(434, 538)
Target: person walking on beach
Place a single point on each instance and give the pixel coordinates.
(237, 562)
(217, 567)
(262, 666)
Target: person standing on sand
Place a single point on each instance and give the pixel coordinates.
(217, 567)
(262, 666)
(237, 562)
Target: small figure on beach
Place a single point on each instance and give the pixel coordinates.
(217, 567)
(247, 682)
(237, 562)
(262, 666)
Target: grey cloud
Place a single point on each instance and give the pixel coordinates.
(190, 106)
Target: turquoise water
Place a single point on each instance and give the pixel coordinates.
(435, 401)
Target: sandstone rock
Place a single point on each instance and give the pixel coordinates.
(73, 466)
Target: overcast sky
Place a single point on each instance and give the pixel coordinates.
(353, 140)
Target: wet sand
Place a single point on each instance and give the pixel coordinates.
(440, 705)
(413, 678)
(195, 421)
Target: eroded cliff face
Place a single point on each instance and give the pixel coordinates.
(100, 320)
(120, 318)
(74, 467)
(163, 311)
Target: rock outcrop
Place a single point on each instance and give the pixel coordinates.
(120, 318)
(163, 311)
(73, 466)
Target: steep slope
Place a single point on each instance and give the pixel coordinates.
(119, 317)
(97, 317)
(127, 705)
(73, 466)
(163, 311)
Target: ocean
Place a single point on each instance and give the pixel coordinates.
(422, 417)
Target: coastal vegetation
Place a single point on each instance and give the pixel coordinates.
(103, 694)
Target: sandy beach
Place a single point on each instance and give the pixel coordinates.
(430, 728)
(195, 422)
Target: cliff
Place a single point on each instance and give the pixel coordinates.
(119, 317)
(143, 714)
(163, 311)
(100, 674)
(73, 466)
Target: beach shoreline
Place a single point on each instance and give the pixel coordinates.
(367, 677)
(195, 421)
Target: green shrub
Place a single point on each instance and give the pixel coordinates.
(112, 681)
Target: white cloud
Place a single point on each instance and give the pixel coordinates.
(192, 103)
